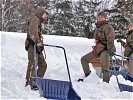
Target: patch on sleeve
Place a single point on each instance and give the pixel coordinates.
(32, 36)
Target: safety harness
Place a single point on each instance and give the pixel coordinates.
(101, 41)
(95, 47)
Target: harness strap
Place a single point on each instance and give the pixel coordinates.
(95, 47)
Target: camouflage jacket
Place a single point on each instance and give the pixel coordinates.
(34, 29)
(34, 34)
(105, 34)
(128, 45)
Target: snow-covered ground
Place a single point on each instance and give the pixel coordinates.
(14, 66)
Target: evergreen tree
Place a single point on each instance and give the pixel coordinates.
(120, 16)
(9, 15)
(85, 12)
(61, 18)
(66, 17)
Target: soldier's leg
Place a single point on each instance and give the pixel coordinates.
(85, 60)
(105, 64)
(42, 65)
(130, 65)
(30, 68)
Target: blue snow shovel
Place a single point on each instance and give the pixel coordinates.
(116, 72)
(55, 89)
(124, 87)
(123, 72)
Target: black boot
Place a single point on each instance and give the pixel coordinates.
(26, 84)
(80, 79)
(86, 74)
(33, 86)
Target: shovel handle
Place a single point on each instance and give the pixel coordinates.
(65, 58)
(35, 61)
(127, 58)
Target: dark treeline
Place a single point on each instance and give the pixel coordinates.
(66, 17)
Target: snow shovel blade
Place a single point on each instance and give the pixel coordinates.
(55, 89)
(124, 87)
(113, 72)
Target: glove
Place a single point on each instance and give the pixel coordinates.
(119, 40)
(86, 27)
(40, 46)
(40, 49)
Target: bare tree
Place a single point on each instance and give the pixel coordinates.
(9, 15)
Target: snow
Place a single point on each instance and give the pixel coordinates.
(14, 66)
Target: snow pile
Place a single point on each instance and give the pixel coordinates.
(123, 81)
(14, 66)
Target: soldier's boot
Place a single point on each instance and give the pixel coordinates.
(29, 74)
(26, 83)
(87, 74)
(106, 77)
(34, 86)
(82, 79)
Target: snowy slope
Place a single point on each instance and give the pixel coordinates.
(14, 64)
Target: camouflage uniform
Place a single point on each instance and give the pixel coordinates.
(34, 36)
(104, 36)
(128, 45)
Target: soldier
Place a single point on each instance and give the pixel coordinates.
(34, 36)
(128, 45)
(104, 36)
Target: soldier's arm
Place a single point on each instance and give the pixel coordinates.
(110, 36)
(88, 33)
(122, 42)
(33, 30)
(130, 42)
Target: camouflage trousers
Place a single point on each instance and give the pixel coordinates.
(130, 65)
(42, 66)
(104, 60)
